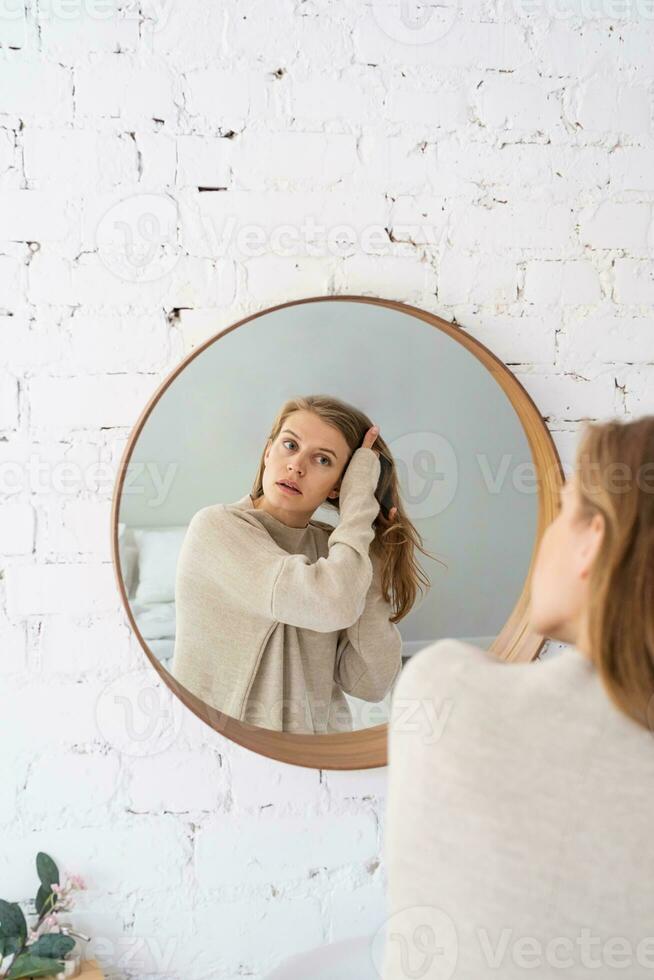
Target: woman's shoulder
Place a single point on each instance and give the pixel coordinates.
(449, 651)
(225, 518)
(446, 656)
(236, 520)
(241, 511)
(426, 702)
(211, 514)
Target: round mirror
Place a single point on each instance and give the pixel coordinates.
(280, 562)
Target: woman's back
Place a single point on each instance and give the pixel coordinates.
(519, 822)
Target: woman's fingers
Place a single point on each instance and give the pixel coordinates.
(368, 440)
(370, 437)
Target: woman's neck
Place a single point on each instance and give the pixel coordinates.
(295, 520)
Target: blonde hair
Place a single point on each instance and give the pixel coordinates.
(395, 541)
(615, 469)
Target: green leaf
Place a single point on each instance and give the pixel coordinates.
(27, 965)
(10, 944)
(47, 870)
(42, 897)
(12, 920)
(54, 944)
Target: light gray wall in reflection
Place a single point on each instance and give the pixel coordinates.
(418, 385)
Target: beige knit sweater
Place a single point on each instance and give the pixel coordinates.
(274, 622)
(519, 822)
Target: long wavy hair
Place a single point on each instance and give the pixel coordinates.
(615, 469)
(395, 541)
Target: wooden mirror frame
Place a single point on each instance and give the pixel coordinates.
(365, 748)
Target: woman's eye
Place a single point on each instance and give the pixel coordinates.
(292, 443)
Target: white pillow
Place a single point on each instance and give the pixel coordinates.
(158, 551)
(127, 557)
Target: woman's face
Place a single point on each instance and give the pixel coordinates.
(559, 584)
(310, 453)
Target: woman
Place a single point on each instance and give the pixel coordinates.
(521, 796)
(278, 614)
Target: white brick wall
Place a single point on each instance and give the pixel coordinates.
(512, 158)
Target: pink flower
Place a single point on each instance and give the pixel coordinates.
(76, 881)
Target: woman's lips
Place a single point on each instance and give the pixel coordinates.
(286, 489)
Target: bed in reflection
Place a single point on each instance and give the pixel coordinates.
(148, 558)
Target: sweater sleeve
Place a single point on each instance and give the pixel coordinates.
(369, 653)
(256, 574)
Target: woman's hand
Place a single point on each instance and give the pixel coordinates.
(370, 437)
(368, 440)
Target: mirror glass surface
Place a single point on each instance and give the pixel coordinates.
(464, 470)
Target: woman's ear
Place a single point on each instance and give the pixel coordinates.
(593, 537)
